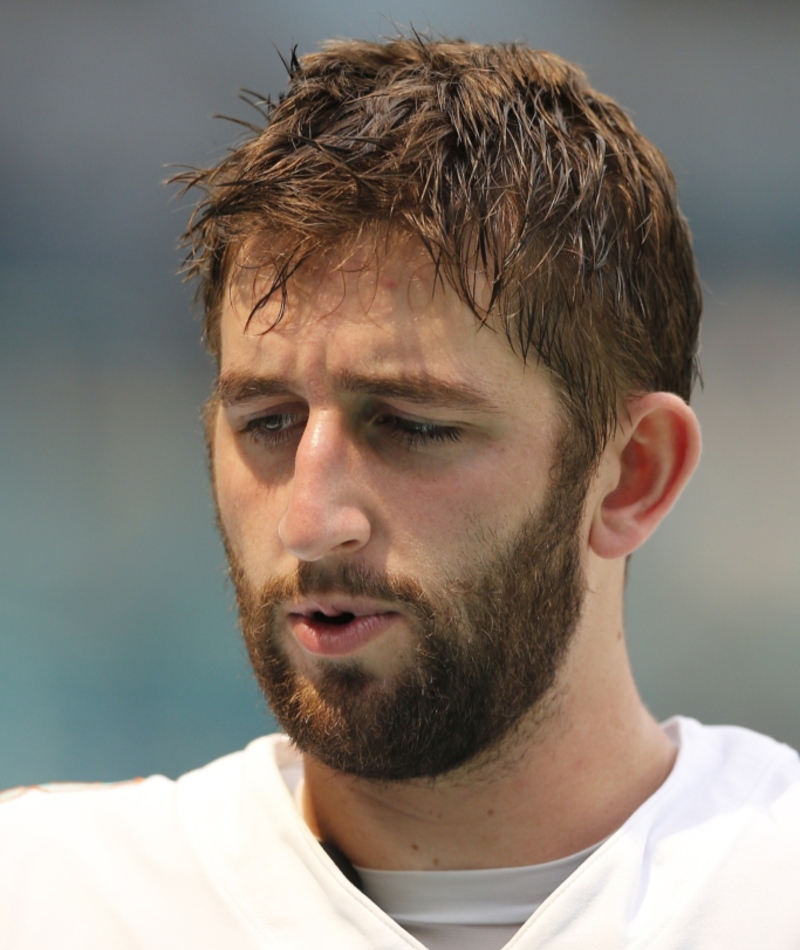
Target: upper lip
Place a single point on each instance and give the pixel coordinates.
(333, 606)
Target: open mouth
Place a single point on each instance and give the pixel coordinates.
(337, 620)
(331, 631)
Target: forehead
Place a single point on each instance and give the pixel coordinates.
(364, 280)
(369, 310)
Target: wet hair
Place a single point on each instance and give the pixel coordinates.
(536, 198)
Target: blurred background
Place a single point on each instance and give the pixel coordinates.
(119, 652)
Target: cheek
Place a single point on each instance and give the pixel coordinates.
(247, 507)
(431, 518)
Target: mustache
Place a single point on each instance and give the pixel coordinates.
(312, 579)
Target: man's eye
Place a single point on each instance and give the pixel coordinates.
(276, 428)
(413, 434)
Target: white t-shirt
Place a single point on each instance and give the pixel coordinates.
(459, 910)
(221, 859)
(467, 910)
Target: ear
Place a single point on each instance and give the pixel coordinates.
(643, 470)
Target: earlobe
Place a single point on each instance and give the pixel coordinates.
(645, 468)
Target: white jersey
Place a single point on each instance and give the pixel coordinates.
(222, 859)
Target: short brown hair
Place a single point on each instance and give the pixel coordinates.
(502, 161)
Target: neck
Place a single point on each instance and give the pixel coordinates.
(560, 784)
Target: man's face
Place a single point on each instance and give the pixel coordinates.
(404, 540)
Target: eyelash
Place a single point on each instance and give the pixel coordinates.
(278, 428)
(275, 429)
(412, 434)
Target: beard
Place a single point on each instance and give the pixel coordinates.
(489, 641)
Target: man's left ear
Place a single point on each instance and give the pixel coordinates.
(643, 470)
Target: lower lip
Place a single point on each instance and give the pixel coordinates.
(325, 639)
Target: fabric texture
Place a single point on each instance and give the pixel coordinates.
(221, 858)
(487, 896)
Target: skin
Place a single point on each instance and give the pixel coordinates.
(355, 475)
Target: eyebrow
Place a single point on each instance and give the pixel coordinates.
(234, 388)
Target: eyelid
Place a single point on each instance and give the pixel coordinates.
(417, 434)
(417, 412)
(243, 413)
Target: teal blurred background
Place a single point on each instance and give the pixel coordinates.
(119, 653)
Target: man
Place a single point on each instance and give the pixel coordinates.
(454, 309)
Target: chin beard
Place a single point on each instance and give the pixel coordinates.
(488, 645)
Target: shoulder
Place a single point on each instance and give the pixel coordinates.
(76, 839)
(709, 860)
(141, 820)
(730, 768)
(58, 805)
(80, 857)
(722, 840)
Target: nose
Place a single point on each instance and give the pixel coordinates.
(325, 513)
